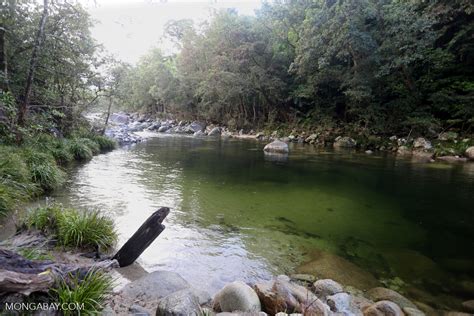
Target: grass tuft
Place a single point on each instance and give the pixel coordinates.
(44, 170)
(104, 142)
(91, 291)
(35, 254)
(73, 228)
(79, 149)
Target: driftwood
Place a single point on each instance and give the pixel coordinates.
(20, 275)
(142, 238)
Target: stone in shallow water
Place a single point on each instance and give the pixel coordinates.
(326, 265)
(237, 296)
(384, 308)
(382, 294)
(326, 287)
(277, 147)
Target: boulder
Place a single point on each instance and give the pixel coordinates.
(412, 312)
(259, 135)
(282, 295)
(236, 296)
(138, 310)
(180, 303)
(199, 134)
(340, 303)
(393, 138)
(195, 126)
(384, 308)
(326, 287)
(468, 306)
(422, 143)
(154, 126)
(451, 159)
(154, 286)
(276, 147)
(384, 294)
(306, 278)
(163, 128)
(403, 151)
(470, 153)
(448, 136)
(369, 152)
(311, 138)
(119, 118)
(344, 142)
(216, 131)
(326, 265)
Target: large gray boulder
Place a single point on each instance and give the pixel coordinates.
(163, 128)
(119, 118)
(277, 147)
(470, 153)
(344, 142)
(181, 303)
(216, 131)
(237, 296)
(195, 126)
(154, 286)
(422, 143)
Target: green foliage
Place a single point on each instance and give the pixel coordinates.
(91, 291)
(86, 229)
(35, 254)
(450, 148)
(44, 170)
(73, 228)
(79, 149)
(105, 143)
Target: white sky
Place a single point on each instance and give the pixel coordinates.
(128, 28)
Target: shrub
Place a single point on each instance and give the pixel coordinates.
(79, 149)
(44, 170)
(90, 291)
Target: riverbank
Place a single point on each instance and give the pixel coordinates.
(447, 147)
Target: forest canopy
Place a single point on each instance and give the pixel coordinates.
(381, 65)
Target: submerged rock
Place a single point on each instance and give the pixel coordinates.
(344, 142)
(276, 147)
(154, 286)
(384, 308)
(236, 296)
(384, 294)
(329, 266)
(451, 159)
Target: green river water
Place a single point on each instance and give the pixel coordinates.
(237, 214)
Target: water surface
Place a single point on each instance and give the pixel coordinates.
(236, 214)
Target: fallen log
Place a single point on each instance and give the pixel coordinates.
(142, 238)
(21, 275)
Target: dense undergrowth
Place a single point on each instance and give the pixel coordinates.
(36, 166)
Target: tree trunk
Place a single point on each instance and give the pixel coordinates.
(108, 115)
(33, 61)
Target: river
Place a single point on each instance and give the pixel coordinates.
(236, 214)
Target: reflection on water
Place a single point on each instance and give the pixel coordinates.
(238, 215)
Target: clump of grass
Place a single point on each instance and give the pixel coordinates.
(8, 197)
(45, 218)
(83, 229)
(104, 142)
(79, 149)
(35, 254)
(73, 228)
(93, 146)
(91, 291)
(44, 170)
